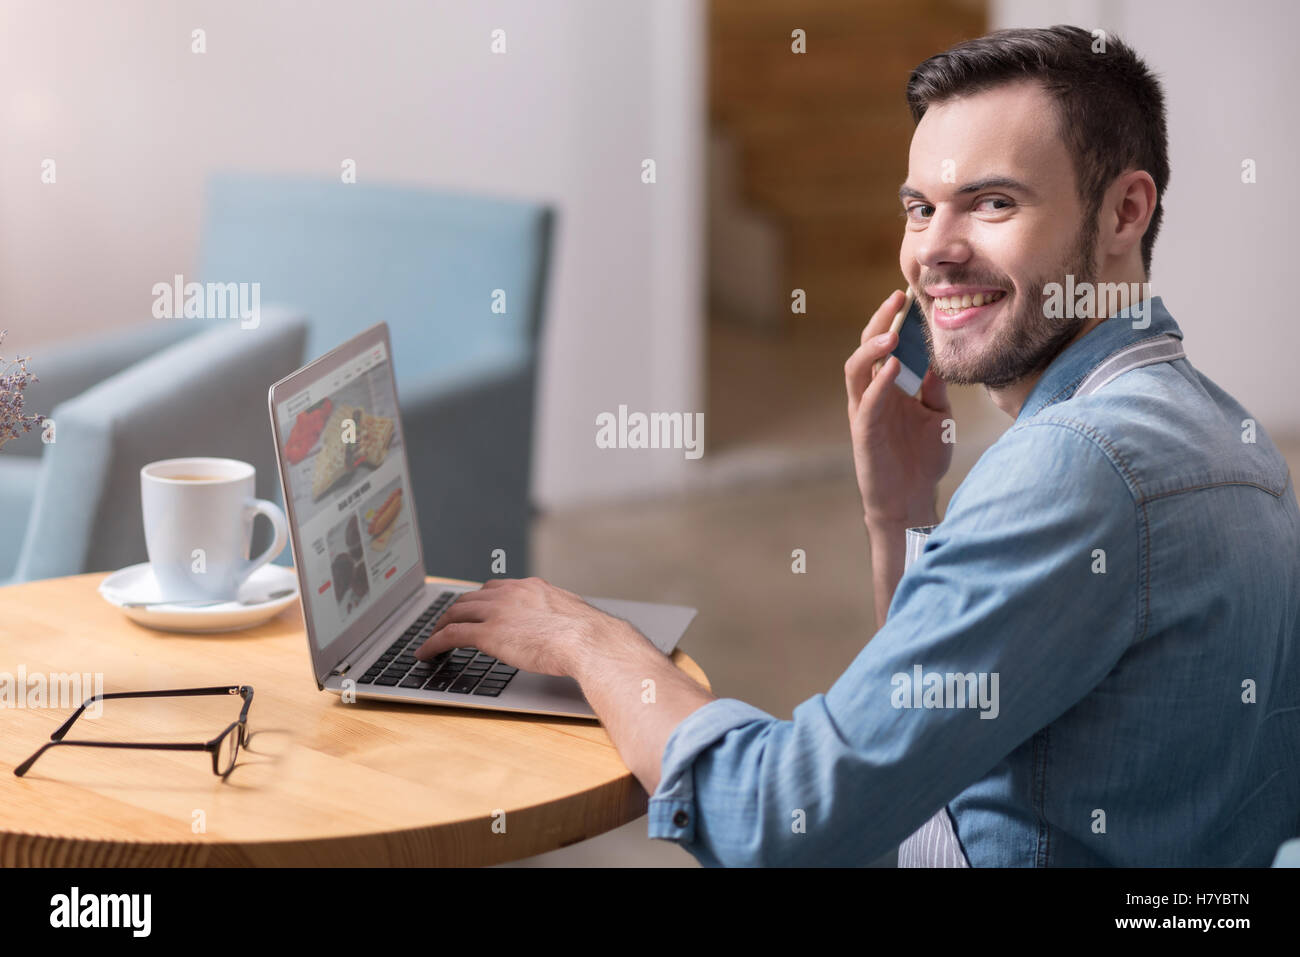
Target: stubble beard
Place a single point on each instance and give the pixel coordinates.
(1027, 341)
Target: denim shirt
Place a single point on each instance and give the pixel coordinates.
(1095, 660)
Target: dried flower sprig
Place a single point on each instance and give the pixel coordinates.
(14, 378)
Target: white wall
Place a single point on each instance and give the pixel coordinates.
(136, 121)
(1230, 75)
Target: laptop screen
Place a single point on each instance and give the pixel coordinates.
(343, 466)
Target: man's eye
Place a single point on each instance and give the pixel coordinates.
(913, 211)
(1006, 203)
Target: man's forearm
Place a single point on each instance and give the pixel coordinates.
(888, 556)
(888, 552)
(639, 716)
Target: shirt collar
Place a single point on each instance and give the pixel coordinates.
(1074, 363)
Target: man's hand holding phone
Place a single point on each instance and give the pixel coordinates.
(898, 450)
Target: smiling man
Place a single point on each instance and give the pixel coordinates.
(1092, 659)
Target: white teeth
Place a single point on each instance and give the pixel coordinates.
(955, 304)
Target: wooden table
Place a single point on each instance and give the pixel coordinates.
(321, 782)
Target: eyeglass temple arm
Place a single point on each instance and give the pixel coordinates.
(26, 765)
(179, 692)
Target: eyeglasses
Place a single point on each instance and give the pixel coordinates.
(224, 747)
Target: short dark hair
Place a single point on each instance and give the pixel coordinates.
(1110, 109)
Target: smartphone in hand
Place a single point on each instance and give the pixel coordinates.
(912, 354)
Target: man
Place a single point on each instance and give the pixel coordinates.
(1094, 658)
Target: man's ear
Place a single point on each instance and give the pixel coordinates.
(1127, 210)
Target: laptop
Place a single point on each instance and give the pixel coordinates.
(357, 552)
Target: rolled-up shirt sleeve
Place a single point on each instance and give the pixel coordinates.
(1026, 596)
(672, 808)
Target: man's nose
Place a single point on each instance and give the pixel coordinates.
(944, 240)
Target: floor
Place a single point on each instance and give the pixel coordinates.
(782, 479)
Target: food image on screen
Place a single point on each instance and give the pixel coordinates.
(374, 435)
(336, 434)
(348, 564)
(307, 429)
(342, 572)
(385, 517)
(383, 523)
(352, 537)
(338, 459)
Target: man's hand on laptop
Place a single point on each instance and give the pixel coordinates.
(535, 626)
(528, 623)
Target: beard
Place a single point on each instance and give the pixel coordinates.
(1027, 341)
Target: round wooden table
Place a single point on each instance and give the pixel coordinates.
(321, 782)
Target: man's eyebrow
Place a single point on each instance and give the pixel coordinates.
(988, 182)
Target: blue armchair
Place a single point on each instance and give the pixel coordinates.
(64, 371)
(204, 395)
(433, 266)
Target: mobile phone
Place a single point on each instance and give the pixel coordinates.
(913, 356)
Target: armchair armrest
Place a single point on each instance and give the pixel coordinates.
(205, 396)
(65, 370)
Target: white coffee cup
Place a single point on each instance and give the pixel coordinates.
(198, 526)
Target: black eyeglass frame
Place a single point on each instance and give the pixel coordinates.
(213, 746)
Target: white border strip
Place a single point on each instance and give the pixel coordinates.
(1167, 348)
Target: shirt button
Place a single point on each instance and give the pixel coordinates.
(681, 818)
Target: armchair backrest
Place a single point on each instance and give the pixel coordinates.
(433, 265)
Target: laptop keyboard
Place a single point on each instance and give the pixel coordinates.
(459, 671)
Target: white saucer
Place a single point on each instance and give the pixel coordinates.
(137, 583)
